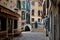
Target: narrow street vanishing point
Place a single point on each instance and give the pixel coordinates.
(32, 36)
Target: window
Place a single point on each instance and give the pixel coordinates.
(39, 20)
(32, 12)
(23, 15)
(47, 3)
(44, 9)
(38, 12)
(23, 5)
(5, 3)
(39, 3)
(15, 24)
(9, 25)
(33, 3)
(27, 15)
(32, 19)
(2, 24)
(22, 23)
(27, 18)
(11, 1)
(7, 0)
(27, 7)
(18, 4)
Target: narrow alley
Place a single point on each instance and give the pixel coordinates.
(32, 36)
(29, 19)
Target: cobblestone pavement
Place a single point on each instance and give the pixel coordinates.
(32, 36)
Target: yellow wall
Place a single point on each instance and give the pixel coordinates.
(36, 8)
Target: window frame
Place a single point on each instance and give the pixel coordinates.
(22, 23)
(33, 3)
(15, 24)
(23, 15)
(3, 24)
(18, 4)
(23, 5)
(38, 19)
(39, 12)
(32, 12)
(10, 21)
(39, 3)
(32, 19)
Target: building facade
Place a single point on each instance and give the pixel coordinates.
(9, 19)
(25, 13)
(54, 20)
(36, 11)
(47, 16)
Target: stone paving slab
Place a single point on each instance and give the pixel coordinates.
(32, 36)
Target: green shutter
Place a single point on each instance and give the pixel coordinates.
(23, 5)
(36, 24)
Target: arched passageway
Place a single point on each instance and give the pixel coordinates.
(27, 28)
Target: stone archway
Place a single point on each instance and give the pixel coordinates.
(27, 28)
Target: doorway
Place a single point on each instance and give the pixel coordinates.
(36, 24)
(2, 24)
